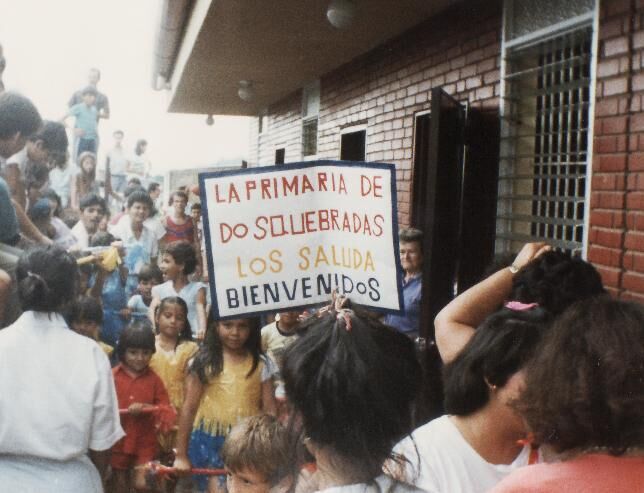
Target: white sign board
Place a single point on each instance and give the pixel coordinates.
(283, 237)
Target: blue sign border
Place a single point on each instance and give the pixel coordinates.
(299, 165)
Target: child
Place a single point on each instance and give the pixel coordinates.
(63, 236)
(178, 225)
(352, 382)
(140, 243)
(60, 178)
(255, 455)
(86, 123)
(174, 348)
(149, 276)
(137, 386)
(85, 181)
(179, 261)
(86, 318)
(109, 288)
(227, 380)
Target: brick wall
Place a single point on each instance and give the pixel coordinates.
(616, 235)
(458, 50)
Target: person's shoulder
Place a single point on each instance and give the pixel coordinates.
(533, 479)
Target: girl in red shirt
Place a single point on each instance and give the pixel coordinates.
(178, 225)
(137, 387)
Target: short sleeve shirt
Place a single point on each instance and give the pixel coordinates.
(63, 402)
(86, 119)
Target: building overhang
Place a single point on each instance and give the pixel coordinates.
(279, 46)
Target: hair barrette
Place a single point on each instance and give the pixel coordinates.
(518, 306)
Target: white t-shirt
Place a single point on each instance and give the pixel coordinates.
(381, 484)
(81, 234)
(57, 400)
(118, 160)
(188, 294)
(446, 462)
(60, 181)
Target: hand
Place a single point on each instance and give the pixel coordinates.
(125, 314)
(136, 408)
(201, 334)
(182, 465)
(529, 252)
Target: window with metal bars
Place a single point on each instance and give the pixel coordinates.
(544, 148)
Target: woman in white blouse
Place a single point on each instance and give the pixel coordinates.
(57, 399)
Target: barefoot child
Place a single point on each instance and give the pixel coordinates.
(174, 348)
(137, 386)
(228, 380)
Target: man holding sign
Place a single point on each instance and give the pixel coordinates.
(285, 237)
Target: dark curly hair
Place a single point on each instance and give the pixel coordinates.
(500, 347)
(183, 253)
(556, 280)
(585, 385)
(353, 382)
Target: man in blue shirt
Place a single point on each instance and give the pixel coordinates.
(411, 260)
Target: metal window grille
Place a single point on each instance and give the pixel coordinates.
(310, 137)
(544, 147)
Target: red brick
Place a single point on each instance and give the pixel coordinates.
(630, 296)
(611, 238)
(635, 201)
(633, 281)
(636, 162)
(615, 46)
(634, 240)
(618, 85)
(601, 181)
(610, 276)
(606, 68)
(605, 144)
(609, 257)
(606, 218)
(606, 107)
(617, 124)
(616, 7)
(609, 162)
(634, 261)
(635, 221)
(607, 200)
(635, 181)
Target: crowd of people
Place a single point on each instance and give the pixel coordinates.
(113, 375)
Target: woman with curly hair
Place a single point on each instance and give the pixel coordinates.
(584, 402)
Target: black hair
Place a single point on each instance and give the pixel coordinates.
(195, 206)
(47, 278)
(209, 360)
(141, 197)
(52, 195)
(500, 347)
(137, 335)
(153, 186)
(36, 175)
(150, 272)
(87, 309)
(177, 193)
(18, 114)
(102, 239)
(138, 150)
(92, 199)
(135, 181)
(183, 253)
(53, 136)
(186, 332)
(40, 210)
(555, 280)
(353, 382)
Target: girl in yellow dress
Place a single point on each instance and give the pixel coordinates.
(174, 348)
(228, 380)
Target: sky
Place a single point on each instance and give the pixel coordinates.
(49, 47)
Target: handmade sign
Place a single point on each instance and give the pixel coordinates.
(283, 237)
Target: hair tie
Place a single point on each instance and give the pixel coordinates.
(518, 306)
(345, 314)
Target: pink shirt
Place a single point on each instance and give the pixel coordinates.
(592, 473)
